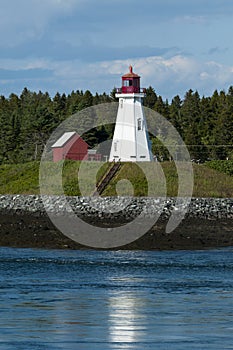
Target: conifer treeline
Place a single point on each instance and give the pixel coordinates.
(26, 122)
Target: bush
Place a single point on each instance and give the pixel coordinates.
(225, 166)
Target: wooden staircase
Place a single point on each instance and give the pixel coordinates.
(102, 184)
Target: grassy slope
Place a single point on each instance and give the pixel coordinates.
(207, 182)
(24, 179)
(19, 178)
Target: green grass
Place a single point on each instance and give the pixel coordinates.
(207, 182)
(78, 178)
(19, 178)
(130, 180)
(211, 183)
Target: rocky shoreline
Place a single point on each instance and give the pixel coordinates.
(208, 223)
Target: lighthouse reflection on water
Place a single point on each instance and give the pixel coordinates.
(125, 319)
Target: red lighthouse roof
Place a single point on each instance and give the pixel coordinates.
(130, 74)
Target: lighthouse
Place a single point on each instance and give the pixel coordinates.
(130, 141)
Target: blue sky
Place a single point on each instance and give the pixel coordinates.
(65, 45)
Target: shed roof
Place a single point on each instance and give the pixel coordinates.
(64, 139)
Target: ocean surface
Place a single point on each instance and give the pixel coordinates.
(54, 299)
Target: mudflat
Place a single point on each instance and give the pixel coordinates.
(37, 231)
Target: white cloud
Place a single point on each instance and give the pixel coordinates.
(153, 70)
(217, 72)
(168, 76)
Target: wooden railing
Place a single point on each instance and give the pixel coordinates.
(140, 90)
(102, 184)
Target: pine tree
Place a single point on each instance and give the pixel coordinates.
(150, 98)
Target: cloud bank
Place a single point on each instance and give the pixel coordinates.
(56, 45)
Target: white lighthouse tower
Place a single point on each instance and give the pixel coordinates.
(130, 141)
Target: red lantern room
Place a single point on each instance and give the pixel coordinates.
(130, 82)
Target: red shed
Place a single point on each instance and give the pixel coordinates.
(70, 146)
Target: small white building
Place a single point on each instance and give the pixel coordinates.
(130, 141)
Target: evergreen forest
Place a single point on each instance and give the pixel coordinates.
(27, 121)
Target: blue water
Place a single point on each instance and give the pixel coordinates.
(116, 300)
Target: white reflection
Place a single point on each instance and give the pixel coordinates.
(125, 320)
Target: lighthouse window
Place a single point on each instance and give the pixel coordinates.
(139, 124)
(127, 83)
(115, 146)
